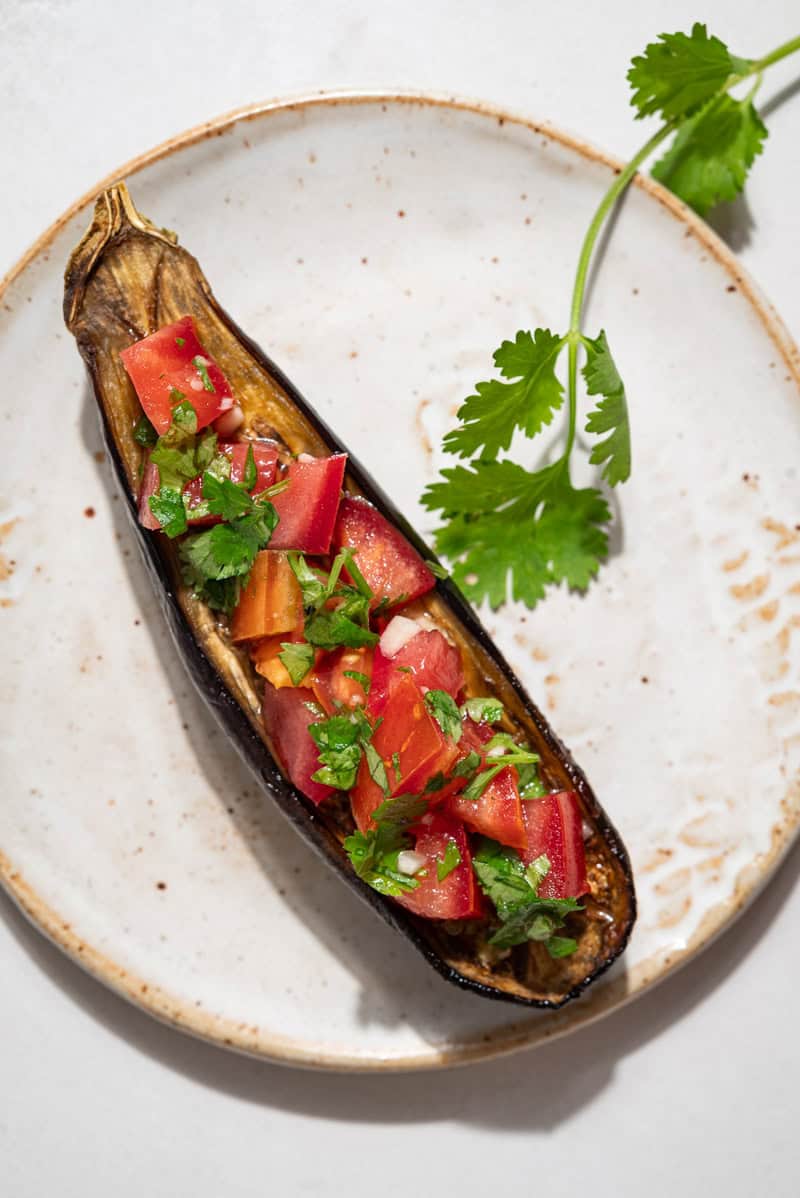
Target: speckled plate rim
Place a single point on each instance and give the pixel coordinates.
(608, 995)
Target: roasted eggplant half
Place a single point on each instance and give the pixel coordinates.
(126, 281)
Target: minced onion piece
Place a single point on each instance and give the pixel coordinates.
(397, 633)
(409, 862)
(227, 424)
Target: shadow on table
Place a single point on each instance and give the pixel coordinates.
(519, 1093)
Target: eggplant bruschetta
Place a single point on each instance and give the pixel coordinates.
(346, 668)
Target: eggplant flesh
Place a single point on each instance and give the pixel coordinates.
(124, 280)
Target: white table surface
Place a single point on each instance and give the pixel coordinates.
(693, 1089)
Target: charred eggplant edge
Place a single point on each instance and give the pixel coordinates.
(120, 216)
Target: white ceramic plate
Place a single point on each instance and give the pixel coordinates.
(380, 248)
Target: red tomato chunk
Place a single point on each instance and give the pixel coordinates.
(286, 716)
(393, 569)
(456, 896)
(171, 360)
(331, 683)
(553, 826)
(410, 731)
(434, 663)
(307, 508)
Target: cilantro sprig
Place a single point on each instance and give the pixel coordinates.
(514, 890)
(336, 613)
(510, 531)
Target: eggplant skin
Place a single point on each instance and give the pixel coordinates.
(125, 279)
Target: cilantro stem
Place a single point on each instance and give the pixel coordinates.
(790, 47)
(579, 289)
(607, 203)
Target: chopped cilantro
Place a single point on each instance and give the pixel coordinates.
(180, 342)
(144, 433)
(201, 366)
(514, 891)
(435, 783)
(250, 474)
(168, 508)
(445, 711)
(347, 623)
(512, 754)
(339, 745)
(402, 809)
(483, 711)
(377, 770)
(451, 859)
(361, 679)
(467, 766)
(374, 858)
(298, 658)
(530, 782)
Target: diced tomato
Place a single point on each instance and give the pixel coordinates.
(168, 361)
(286, 717)
(434, 663)
(390, 565)
(554, 826)
(271, 602)
(308, 507)
(265, 456)
(265, 656)
(150, 486)
(497, 813)
(457, 896)
(410, 731)
(330, 683)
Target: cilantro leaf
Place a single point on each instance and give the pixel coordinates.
(483, 487)
(450, 861)
(611, 413)
(377, 770)
(501, 875)
(530, 783)
(224, 552)
(402, 809)
(490, 417)
(298, 658)
(184, 416)
(374, 856)
(144, 432)
(226, 499)
(362, 679)
(483, 711)
(445, 711)
(537, 919)
(327, 629)
(339, 745)
(680, 72)
(201, 366)
(467, 766)
(712, 153)
(250, 473)
(168, 508)
(514, 891)
(571, 536)
(561, 946)
(181, 456)
(554, 533)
